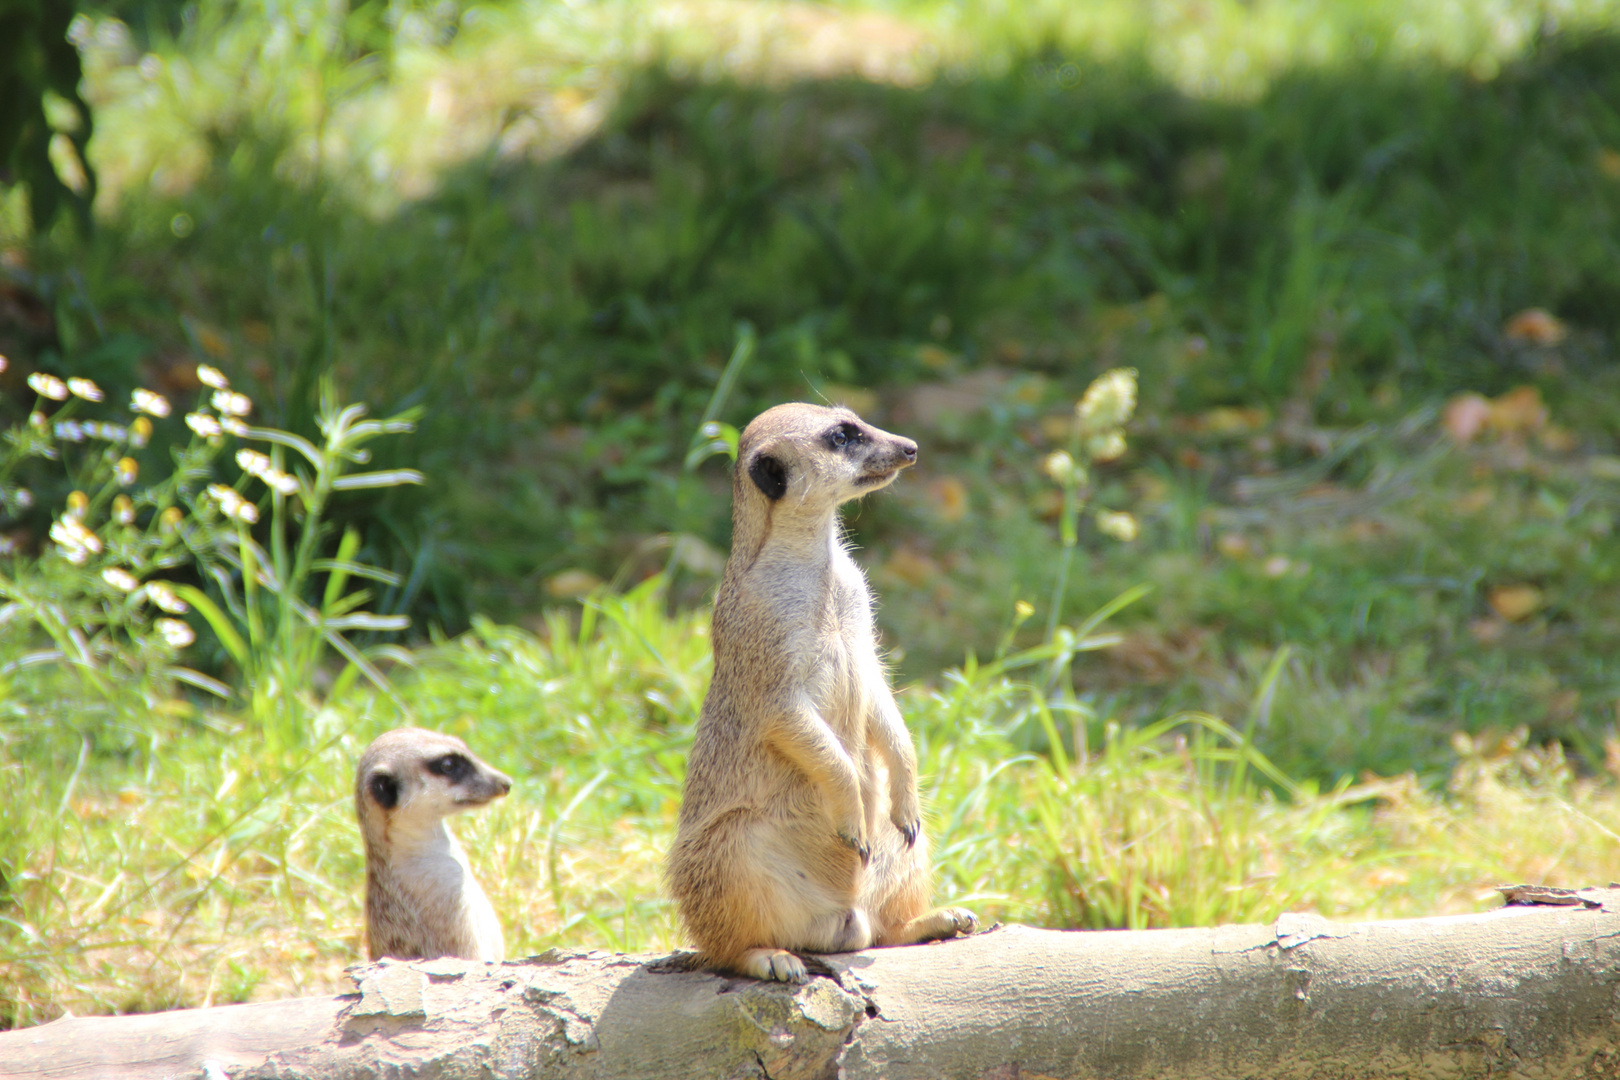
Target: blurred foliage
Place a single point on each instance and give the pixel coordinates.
(39, 76)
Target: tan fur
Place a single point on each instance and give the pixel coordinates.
(800, 827)
(422, 900)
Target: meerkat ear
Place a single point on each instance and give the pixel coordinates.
(769, 475)
(385, 789)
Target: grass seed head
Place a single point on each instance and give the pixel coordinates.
(1109, 401)
(1120, 526)
(175, 632)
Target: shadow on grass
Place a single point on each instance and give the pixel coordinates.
(1355, 233)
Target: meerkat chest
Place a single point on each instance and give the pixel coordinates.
(815, 611)
(844, 657)
(434, 874)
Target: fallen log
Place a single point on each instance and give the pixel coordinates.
(1522, 991)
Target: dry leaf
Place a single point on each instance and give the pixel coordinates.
(1232, 420)
(1557, 440)
(1487, 631)
(912, 567)
(1516, 602)
(1520, 409)
(1465, 416)
(1538, 326)
(1011, 352)
(1058, 427)
(211, 340)
(949, 497)
(1609, 163)
(1151, 656)
(1364, 529)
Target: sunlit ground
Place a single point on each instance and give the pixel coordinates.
(536, 78)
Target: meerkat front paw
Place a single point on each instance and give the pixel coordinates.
(906, 815)
(856, 842)
(773, 965)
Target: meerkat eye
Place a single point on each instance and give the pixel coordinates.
(842, 435)
(450, 766)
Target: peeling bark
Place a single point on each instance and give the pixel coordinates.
(1522, 991)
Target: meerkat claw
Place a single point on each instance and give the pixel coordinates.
(909, 833)
(773, 965)
(858, 846)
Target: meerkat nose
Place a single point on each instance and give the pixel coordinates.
(503, 783)
(908, 448)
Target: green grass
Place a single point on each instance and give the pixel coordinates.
(1308, 226)
(195, 865)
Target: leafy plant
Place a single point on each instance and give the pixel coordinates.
(268, 622)
(108, 592)
(94, 627)
(93, 594)
(1096, 435)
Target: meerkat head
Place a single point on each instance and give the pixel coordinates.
(420, 776)
(816, 456)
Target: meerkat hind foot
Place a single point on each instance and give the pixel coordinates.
(777, 965)
(937, 924)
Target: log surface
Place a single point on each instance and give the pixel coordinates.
(1523, 991)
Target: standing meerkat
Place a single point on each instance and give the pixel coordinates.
(800, 826)
(422, 900)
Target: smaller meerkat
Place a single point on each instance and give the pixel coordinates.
(422, 900)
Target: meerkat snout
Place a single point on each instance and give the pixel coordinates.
(422, 900)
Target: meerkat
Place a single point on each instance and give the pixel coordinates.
(422, 900)
(800, 826)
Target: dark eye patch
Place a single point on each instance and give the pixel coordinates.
(451, 766)
(384, 789)
(842, 435)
